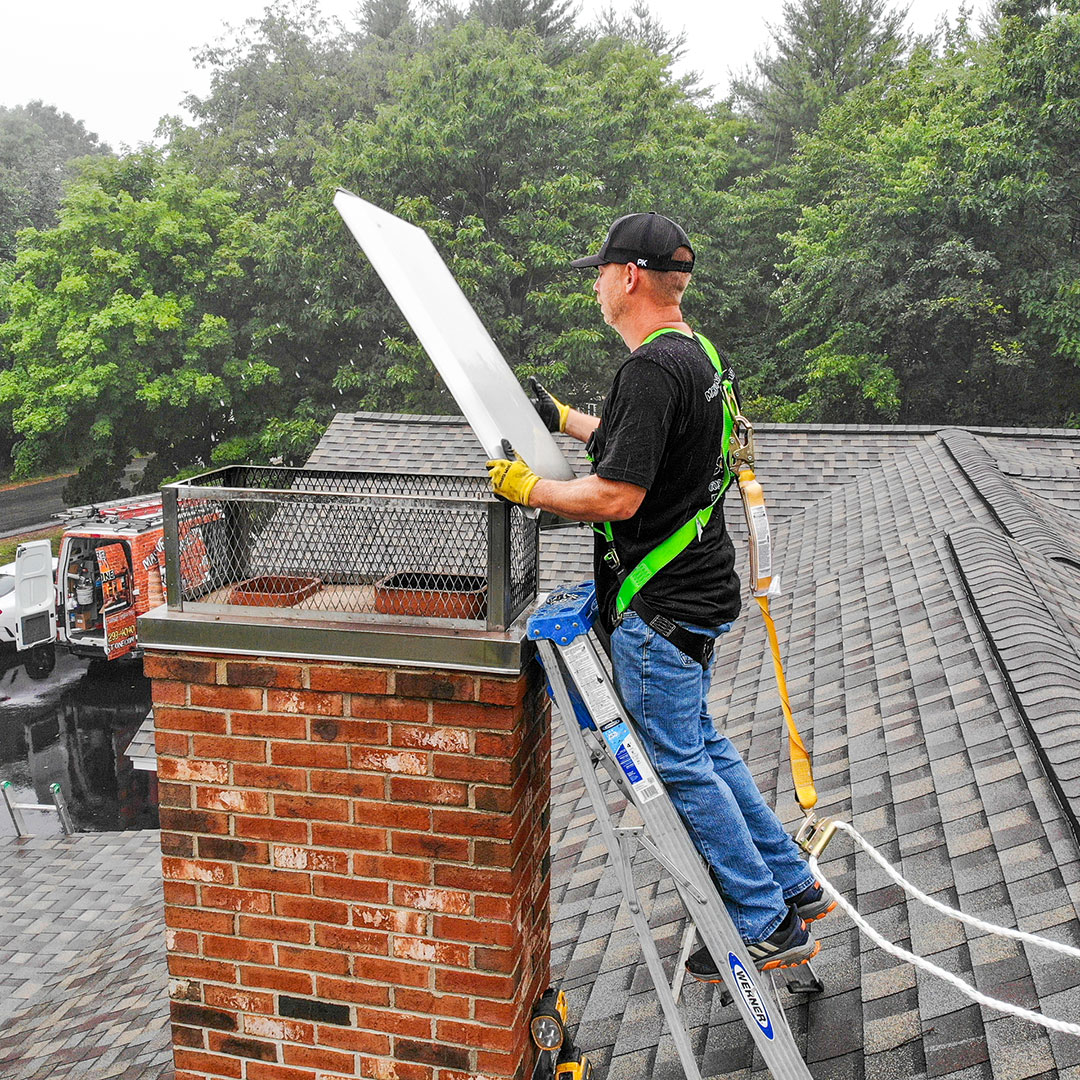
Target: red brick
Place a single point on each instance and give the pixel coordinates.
(311, 808)
(481, 1036)
(348, 680)
(492, 744)
(246, 900)
(217, 873)
(253, 877)
(504, 691)
(172, 819)
(181, 668)
(213, 1064)
(441, 685)
(474, 769)
(304, 858)
(238, 1046)
(269, 777)
(477, 931)
(268, 725)
(232, 801)
(332, 963)
(476, 984)
(392, 868)
(403, 710)
(389, 761)
(172, 744)
(308, 702)
(351, 990)
(392, 815)
(270, 1027)
(305, 907)
(361, 732)
(207, 721)
(358, 785)
(214, 772)
(310, 755)
(365, 1042)
(495, 908)
(396, 1021)
(344, 888)
(473, 715)
(164, 692)
(392, 972)
(192, 967)
(243, 673)
(372, 942)
(503, 1014)
(239, 698)
(380, 1069)
(408, 789)
(237, 948)
(180, 893)
(267, 828)
(450, 848)
(442, 900)
(191, 1038)
(494, 853)
(178, 795)
(423, 1001)
(448, 740)
(497, 799)
(353, 837)
(493, 1064)
(476, 880)
(391, 919)
(319, 1058)
(502, 961)
(213, 922)
(258, 929)
(470, 823)
(180, 845)
(230, 749)
(260, 1070)
(233, 850)
(426, 951)
(290, 982)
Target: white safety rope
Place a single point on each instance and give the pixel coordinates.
(921, 962)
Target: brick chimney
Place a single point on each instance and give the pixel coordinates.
(355, 852)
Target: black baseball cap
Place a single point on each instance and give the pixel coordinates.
(648, 240)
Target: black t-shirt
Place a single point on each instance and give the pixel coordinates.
(663, 429)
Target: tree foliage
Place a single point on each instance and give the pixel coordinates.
(885, 229)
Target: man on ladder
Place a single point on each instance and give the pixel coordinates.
(665, 578)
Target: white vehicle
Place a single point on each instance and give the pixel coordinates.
(28, 606)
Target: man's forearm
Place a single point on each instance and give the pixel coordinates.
(588, 498)
(581, 425)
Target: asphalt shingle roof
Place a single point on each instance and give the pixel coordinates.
(932, 636)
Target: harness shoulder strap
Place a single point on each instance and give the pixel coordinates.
(669, 549)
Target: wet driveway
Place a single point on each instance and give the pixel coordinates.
(72, 728)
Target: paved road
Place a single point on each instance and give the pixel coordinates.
(23, 508)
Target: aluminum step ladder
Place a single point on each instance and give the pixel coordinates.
(602, 735)
(57, 806)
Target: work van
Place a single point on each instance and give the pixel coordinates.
(28, 606)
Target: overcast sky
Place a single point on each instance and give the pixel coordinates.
(120, 65)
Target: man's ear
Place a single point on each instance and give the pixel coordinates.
(631, 277)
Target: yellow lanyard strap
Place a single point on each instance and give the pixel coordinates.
(802, 772)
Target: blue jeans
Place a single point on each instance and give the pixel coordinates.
(755, 862)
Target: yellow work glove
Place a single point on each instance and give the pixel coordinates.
(513, 480)
(552, 411)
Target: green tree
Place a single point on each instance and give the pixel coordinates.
(125, 326)
(823, 49)
(944, 244)
(38, 145)
(513, 165)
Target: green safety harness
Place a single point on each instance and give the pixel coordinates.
(697, 646)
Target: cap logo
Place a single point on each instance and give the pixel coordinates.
(643, 262)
